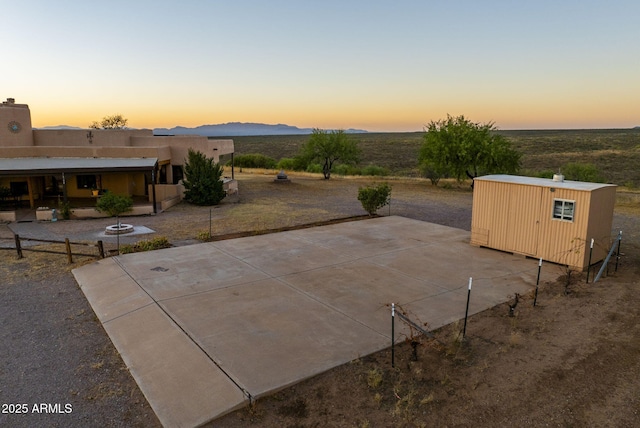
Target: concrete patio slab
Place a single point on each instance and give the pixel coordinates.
(204, 327)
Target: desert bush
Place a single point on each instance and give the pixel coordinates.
(314, 168)
(203, 236)
(292, 164)
(374, 378)
(254, 160)
(373, 198)
(375, 170)
(344, 169)
(582, 172)
(146, 245)
(544, 173)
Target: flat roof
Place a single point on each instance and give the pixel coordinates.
(43, 166)
(544, 182)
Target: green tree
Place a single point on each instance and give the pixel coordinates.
(113, 204)
(458, 147)
(117, 121)
(373, 198)
(202, 182)
(330, 147)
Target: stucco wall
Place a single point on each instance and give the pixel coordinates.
(181, 144)
(19, 113)
(82, 138)
(162, 153)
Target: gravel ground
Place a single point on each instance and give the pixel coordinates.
(58, 366)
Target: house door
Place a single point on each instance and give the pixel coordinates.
(523, 224)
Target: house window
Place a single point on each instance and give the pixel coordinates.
(177, 173)
(563, 209)
(86, 181)
(19, 188)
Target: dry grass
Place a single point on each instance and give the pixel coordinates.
(628, 202)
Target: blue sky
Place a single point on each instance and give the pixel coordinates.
(377, 65)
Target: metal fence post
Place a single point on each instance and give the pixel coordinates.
(466, 313)
(393, 334)
(618, 252)
(589, 265)
(535, 298)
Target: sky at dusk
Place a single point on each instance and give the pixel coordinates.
(375, 65)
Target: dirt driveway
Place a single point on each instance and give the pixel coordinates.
(571, 361)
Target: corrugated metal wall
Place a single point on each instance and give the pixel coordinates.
(563, 241)
(600, 221)
(519, 218)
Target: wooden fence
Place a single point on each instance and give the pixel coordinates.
(19, 248)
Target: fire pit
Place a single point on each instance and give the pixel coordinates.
(118, 229)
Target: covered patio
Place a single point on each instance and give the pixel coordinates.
(76, 182)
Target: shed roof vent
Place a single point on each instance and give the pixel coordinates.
(558, 177)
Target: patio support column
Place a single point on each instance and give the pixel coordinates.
(232, 169)
(30, 186)
(64, 188)
(153, 188)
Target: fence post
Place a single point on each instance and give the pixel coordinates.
(18, 247)
(589, 265)
(68, 246)
(466, 313)
(101, 249)
(618, 253)
(535, 298)
(393, 335)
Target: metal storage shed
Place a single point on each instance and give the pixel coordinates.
(552, 219)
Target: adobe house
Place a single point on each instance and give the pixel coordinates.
(37, 164)
(553, 219)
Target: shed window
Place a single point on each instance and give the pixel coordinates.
(563, 209)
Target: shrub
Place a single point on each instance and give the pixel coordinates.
(375, 170)
(545, 173)
(254, 160)
(292, 164)
(314, 168)
(582, 172)
(146, 245)
(114, 205)
(202, 182)
(203, 236)
(344, 169)
(373, 198)
(374, 378)
(65, 210)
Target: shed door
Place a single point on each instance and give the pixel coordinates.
(523, 224)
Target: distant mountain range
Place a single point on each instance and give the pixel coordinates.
(237, 129)
(231, 129)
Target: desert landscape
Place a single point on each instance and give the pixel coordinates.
(572, 360)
